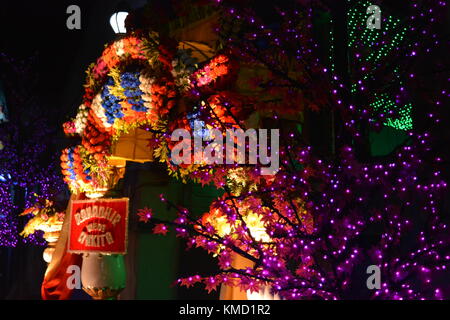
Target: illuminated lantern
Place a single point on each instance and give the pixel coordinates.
(51, 235)
(132, 146)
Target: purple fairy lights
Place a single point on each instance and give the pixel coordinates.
(328, 219)
(23, 173)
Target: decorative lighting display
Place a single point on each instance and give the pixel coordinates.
(3, 109)
(403, 121)
(136, 83)
(368, 48)
(8, 225)
(323, 219)
(381, 42)
(8, 222)
(307, 229)
(22, 171)
(23, 180)
(45, 218)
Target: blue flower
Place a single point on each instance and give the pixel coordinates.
(111, 103)
(130, 83)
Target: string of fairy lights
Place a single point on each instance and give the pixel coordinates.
(373, 38)
(384, 104)
(389, 196)
(368, 48)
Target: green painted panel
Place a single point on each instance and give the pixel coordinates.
(157, 255)
(387, 140)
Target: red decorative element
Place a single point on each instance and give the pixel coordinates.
(96, 139)
(160, 228)
(216, 73)
(98, 226)
(55, 288)
(145, 214)
(211, 284)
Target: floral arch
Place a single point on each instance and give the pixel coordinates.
(138, 83)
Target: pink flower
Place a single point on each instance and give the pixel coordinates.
(160, 228)
(100, 68)
(225, 261)
(190, 281)
(211, 283)
(145, 214)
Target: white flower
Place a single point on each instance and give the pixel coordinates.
(119, 48)
(146, 83)
(81, 119)
(99, 111)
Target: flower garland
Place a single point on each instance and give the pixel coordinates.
(116, 99)
(129, 48)
(220, 68)
(110, 103)
(183, 66)
(136, 82)
(75, 174)
(210, 106)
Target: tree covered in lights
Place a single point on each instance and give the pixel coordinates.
(27, 167)
(312, 230)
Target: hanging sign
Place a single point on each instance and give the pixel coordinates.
(99, 225)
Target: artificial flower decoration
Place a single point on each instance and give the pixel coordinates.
(145, 214)
(44, 218)
(160, 228)
(137, 82)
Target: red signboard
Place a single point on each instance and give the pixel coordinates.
(99, 225)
